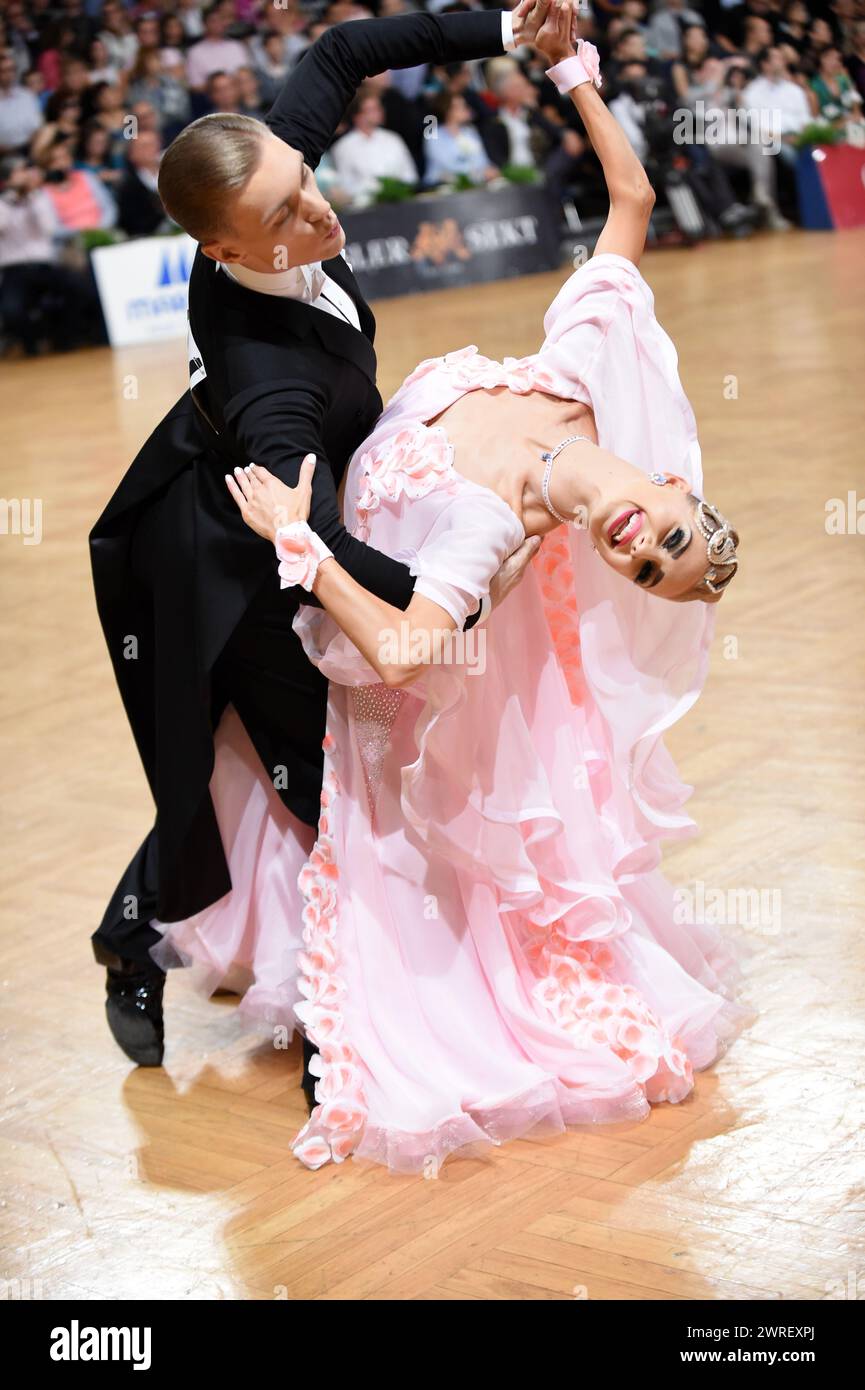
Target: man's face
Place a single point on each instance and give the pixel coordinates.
(215, 25)
(223, 92)
(144, 152)
(632, 49)
(7, 72)
(370, 114)
(148, 33)
(280, 218)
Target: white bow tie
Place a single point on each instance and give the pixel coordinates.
(313, 279)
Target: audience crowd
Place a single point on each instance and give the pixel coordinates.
(714, 96)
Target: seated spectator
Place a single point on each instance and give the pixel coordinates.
(94, 154)
(647, 122)
(793, 28)
(757, 36)
(510, 137)
(59, 43)
(856, 58)
(99, 66)
(400, 115)
(190, 15)
(215, 52)
(147, 31)
(711, 88)
(369, 153)
(20, 112)
(837, 98)
(820, 36)
(63, 120)
(81, 201)
(844, 17)
(223, 92)
(139, 206)
(249, 99)
(779, 104)
(148, 81)
(288, 23)
(454, 146)
(74, 16)
(172, 43)
(20, 34)
(272, 65)
(731, 20)
(144, 117)
(104, 103)
(524, 136)
(117, 36)
(629, 46)
(27, 254)
(664, 30)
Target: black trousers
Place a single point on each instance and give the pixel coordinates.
(281, 699)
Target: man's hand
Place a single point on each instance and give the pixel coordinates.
(528, 16)
(513, 570)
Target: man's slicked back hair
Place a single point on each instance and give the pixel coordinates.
(207, 162)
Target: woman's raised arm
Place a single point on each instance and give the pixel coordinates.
(631, 195)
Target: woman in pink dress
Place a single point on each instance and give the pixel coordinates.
(487, 947)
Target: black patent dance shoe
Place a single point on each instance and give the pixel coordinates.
(133, 1006)
(308, 1080)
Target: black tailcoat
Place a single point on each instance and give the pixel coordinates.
(187, 595)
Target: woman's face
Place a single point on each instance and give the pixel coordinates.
(647, 532)
(830, 62)
(696, 43)
(97, 146)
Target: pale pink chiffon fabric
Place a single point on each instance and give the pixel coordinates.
(488, 946)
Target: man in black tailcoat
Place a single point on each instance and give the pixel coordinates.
(281, 365)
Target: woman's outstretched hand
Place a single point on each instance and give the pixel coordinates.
(266, 502)
(556, 39)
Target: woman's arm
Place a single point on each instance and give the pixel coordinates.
(391, 640)
(631, 195)
(397, 643)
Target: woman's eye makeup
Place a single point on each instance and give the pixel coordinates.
(676, 543)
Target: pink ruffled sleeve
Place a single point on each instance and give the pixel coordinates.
(471, 537)
(455, 541)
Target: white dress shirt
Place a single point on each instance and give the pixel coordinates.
(782, 101)
(308, 283)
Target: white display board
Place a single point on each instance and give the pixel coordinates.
(143, 286)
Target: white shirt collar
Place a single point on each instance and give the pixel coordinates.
(304, 282)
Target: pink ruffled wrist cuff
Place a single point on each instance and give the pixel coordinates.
(300, 553)
(571, 72)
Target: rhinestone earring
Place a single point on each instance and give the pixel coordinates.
(659, 478)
